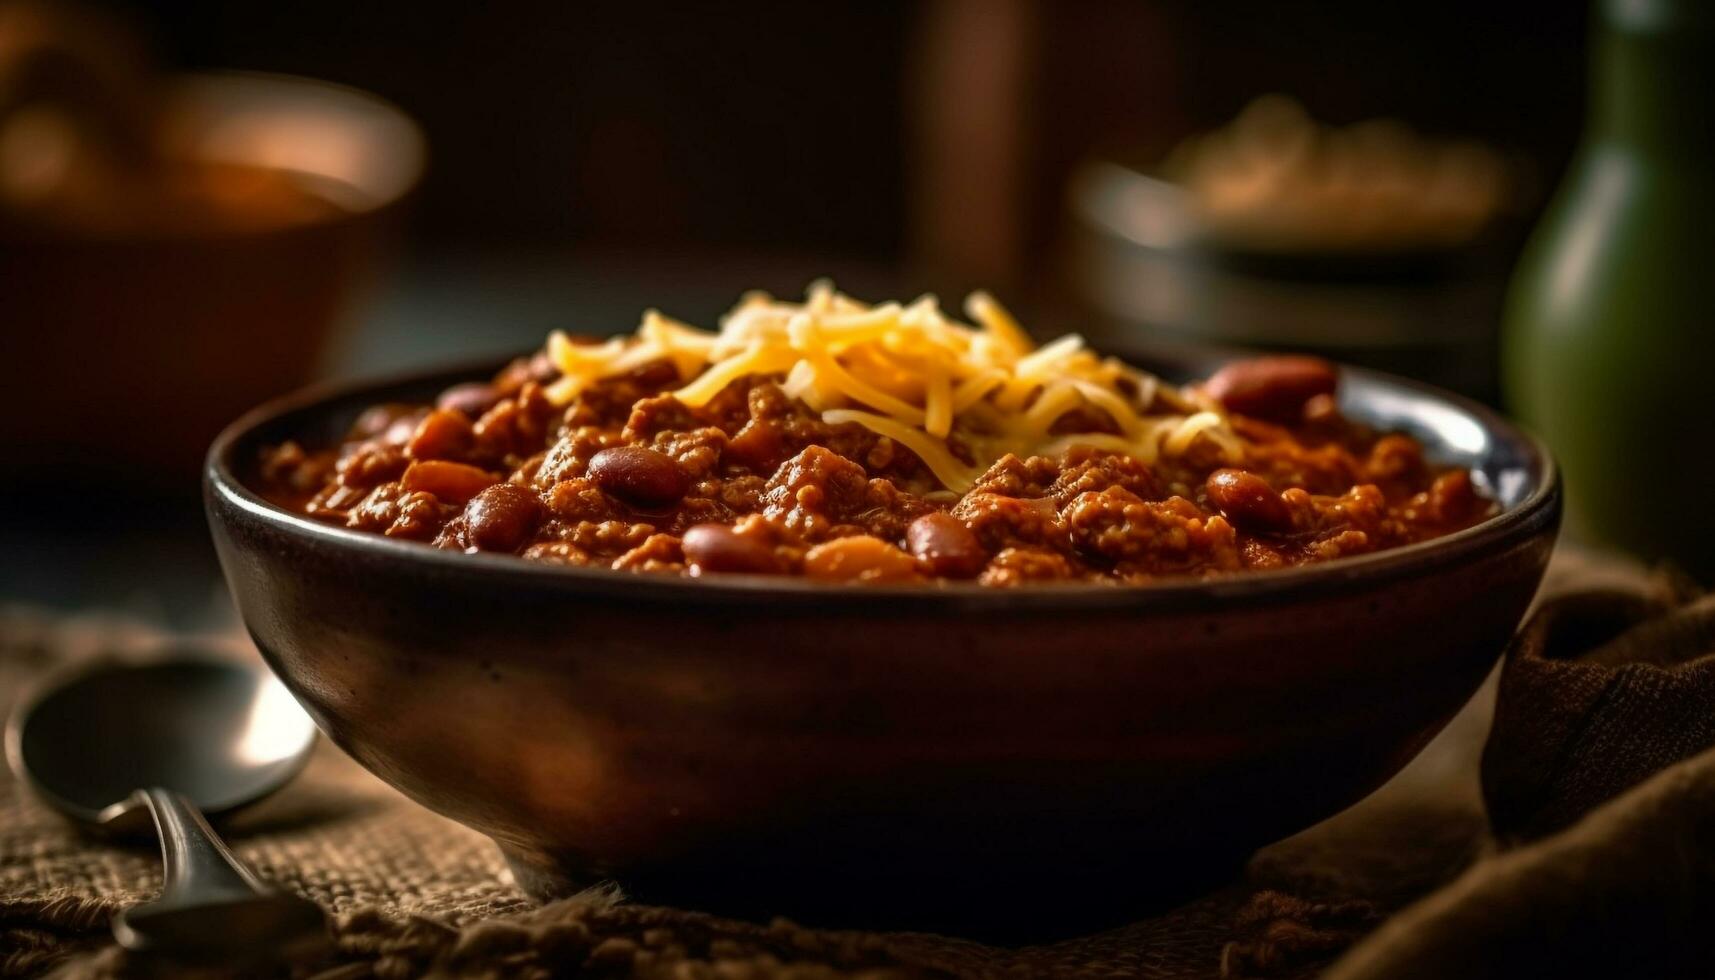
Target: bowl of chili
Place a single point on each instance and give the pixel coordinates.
(916, 750)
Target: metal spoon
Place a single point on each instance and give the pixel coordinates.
(176, 739)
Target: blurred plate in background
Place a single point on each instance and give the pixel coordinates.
(1136, 260)
(1366, 243)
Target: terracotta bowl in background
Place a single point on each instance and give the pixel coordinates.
(949, 758)
(126, 353)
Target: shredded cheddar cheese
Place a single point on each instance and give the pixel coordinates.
(958, 396)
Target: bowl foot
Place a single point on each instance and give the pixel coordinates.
(545, 880)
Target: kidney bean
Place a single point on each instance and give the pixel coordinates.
(501, 517)
(859, 558)
(1273, 388)
(470, 399)
(1248, 501)
(440, 435)
(453, 483)
(718, 548)
(948, 547)
(639, 476)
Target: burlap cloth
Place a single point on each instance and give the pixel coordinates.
(1557, 888)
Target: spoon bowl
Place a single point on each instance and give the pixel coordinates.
(221, 734)
(175, 739)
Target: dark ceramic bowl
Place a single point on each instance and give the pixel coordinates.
(949, 758)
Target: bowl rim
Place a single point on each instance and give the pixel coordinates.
(227, 497)
(180, 88)
(410, 144)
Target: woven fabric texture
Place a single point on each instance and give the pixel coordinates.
(1600, 778)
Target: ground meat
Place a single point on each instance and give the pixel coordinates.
(608, 539)
(1395, 458)
(1150, 537)
(515, 426)
(292, 471)
(697, 451)
(779, 428)
(740, 494)
(1014, 477)
(1085, 470)
(569, 457)
(557, 553)
(759, 481)
(392, 510)
(660, 413)
(1020, 566)
(888, 510)
(372, 464)
(1001, 522)
(657, 553)
(814, 491)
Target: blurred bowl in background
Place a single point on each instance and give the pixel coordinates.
(1140, 257)
(129, 343)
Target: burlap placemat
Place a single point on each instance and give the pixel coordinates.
(415, 895)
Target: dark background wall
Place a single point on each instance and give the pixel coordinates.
(788, 126)
(591, 159)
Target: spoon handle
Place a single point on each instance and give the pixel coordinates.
(199, 868)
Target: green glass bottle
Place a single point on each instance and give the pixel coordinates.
(1609, 334)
